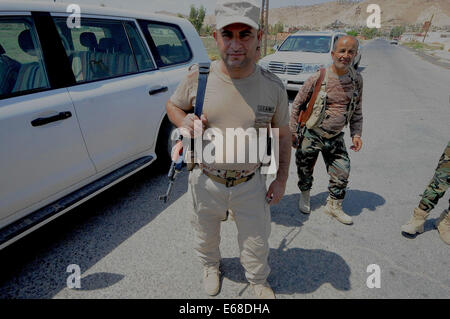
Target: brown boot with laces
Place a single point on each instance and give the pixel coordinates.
(416, 223)
(443, 226)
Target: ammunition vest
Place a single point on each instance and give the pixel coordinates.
(320, 106)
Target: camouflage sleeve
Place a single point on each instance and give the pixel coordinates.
(301, 100)
(356, 122)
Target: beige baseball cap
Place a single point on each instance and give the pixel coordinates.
(237, 11)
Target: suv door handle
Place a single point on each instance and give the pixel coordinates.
(158, 90)
(45, 120)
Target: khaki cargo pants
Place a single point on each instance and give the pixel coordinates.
(251, 214)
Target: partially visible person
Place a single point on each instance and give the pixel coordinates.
(434, 191)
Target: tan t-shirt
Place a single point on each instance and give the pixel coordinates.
(233, 104)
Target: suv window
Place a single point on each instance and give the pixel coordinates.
(169, 41)
(143, 59)
(99, 49)
(308, 43)
(21, 62)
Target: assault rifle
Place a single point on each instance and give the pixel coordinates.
(179, 153)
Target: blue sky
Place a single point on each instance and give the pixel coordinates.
(178, 6)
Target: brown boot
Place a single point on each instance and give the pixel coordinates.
(304, 204)
(263, 291)
(416, 223)
(211, 280)
(334, 208)
(443, 226)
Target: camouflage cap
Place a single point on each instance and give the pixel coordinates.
(237, 11)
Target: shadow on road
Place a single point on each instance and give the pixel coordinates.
(297, 270)
(286, 212)
(100, 280)
(84, 236)
(354, 203)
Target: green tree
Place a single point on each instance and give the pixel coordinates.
(208, 30)
(277, 28)
(197, 16)
(369, 33)
(353, 33)
(397, 31)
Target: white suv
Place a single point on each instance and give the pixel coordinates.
(302, 54)
(81, 108)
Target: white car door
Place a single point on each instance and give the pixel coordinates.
(41, 147)
(120, 96)
(172, 50)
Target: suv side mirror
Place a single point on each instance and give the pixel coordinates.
(275, 47)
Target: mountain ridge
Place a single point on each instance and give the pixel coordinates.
(393, 12)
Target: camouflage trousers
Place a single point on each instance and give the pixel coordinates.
(438, 184)
(336, 160)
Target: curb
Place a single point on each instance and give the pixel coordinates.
(430, 58)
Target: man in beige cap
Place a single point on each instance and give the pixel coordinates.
(239, 95)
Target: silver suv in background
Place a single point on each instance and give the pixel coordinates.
(302, 54)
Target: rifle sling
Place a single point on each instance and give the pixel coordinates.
(203, 72)
(305, 114)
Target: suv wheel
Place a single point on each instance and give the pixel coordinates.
(164, 145)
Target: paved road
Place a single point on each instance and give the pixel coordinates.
(129, 245)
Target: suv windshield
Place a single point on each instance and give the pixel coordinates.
(307, 43)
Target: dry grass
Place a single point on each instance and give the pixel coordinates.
(424, 46)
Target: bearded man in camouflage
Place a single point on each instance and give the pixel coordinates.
(342, 89)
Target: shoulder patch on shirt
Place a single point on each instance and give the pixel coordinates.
(266, 109)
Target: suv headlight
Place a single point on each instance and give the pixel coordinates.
(311, 67)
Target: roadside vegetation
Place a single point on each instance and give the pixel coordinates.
(423, 46)
(211, 48)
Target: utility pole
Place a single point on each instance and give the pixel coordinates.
(266, 27)
(428, 28)
(262, 24)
